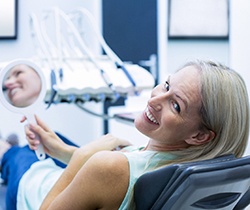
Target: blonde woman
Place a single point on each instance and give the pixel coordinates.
(200, 112)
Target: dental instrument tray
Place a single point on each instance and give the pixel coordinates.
(74, 70)
(80, 80)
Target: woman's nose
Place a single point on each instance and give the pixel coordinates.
(8, 83)
(157, 101)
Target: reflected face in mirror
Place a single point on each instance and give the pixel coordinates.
(22, 85)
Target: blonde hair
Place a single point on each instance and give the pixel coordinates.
(224, 110)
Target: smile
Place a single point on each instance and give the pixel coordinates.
(13, 91)
(151, 118)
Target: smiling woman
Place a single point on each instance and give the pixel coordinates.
(23, 85)
(184, 120)
(172, 115)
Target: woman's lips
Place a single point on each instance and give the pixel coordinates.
(13, 91)
(151, 117)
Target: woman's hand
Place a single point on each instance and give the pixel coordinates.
(105, 142)
(52, 144)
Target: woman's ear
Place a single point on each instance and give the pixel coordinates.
(202, 137)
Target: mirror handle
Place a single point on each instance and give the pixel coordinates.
(40, 150)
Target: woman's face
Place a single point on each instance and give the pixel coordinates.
(172, 114)
(23, 85)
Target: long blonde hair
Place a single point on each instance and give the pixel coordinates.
(224, 110)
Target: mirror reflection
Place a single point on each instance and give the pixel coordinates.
(21, 85)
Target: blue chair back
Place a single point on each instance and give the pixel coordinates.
(211, 184)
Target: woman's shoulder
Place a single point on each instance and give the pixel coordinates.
(109, 171)
(109, 160)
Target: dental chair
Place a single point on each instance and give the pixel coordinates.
(244, 201)
(221, 183)
(3, 189)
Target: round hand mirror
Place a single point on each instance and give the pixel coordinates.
(23, 88)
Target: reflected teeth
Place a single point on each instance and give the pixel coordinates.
(13, 91)
(150, 117)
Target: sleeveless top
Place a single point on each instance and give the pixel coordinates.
(42, 175)
(140, 162)
(36, 183)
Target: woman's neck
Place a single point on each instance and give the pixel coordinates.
(162, 147)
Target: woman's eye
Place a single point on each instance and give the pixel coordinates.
(17, 73)
(167, 86)
(177, 107)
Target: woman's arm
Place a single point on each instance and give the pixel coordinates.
(56, 148)
(53, 145)
(101, 183)
(77, 157)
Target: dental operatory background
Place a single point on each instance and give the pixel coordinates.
(138, 32)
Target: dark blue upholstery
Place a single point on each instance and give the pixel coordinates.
(194, 185)
(3, 189)
(15, 163)
(244, 201)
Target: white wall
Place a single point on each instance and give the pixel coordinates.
(181, 51)
(172, 54)
(65, 118)
(240, 41)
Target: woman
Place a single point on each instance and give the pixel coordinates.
(23, 85)
(200, 112)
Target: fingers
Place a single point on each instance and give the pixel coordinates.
(42, 124)
(121, 142)
(31, 138)
(116, 142)
(33, 133)
(41, 128)
(23, 119)
(38, 128)
(125, 143)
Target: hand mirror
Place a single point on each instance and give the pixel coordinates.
(23, 89)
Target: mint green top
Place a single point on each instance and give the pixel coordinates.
(42, 175)
(140, 162)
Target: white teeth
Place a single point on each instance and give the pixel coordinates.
(150, 117)
(13, 91)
